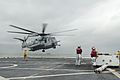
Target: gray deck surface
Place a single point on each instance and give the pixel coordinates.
(50, 69)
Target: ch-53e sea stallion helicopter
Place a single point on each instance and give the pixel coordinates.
(42, 42)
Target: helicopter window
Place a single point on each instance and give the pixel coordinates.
(36, 40)
(45, 40)
(48, 39)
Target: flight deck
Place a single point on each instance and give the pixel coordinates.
(51, 69)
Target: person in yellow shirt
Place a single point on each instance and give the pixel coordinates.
(25, 55)
(118, 53)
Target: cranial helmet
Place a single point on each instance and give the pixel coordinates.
(79, 46)
(93, 48)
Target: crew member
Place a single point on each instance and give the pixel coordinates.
(25, 54)
(78, 55)
(93, 55)
(118, 53)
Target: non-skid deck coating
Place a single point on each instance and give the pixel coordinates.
(50, 69)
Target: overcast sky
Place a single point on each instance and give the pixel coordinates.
(97, 21)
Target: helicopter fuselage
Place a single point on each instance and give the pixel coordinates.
(45, 42)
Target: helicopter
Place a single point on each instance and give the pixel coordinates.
(42, 42)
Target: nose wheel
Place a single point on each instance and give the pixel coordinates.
(43, 50)
(54, 47)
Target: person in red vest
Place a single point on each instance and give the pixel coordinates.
(93, 55)
(78, 55)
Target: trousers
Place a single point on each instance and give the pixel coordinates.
(78, 59)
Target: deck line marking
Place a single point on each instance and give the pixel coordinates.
(50, 69)
(64, 63)
(73, 63)
(2, 78)
(56, 75)
(14, 65)
(114, 72)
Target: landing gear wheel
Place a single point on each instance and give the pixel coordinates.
(53, 44)
(54, 47)
(43, 50)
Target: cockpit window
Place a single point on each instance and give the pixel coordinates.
(45, 40)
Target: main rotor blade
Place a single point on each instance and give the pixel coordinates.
(23, 29)
(19, 39)
(44, 28)
(19, 32)
(42, 34)
(31, 34)
(60, 35)
(64, 31)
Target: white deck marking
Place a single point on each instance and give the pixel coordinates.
(52, 69)
(14, 65)
(64, 63)
(2, 78)
(114, 72)
(73, 63)
(84, 63)
(56, 75)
